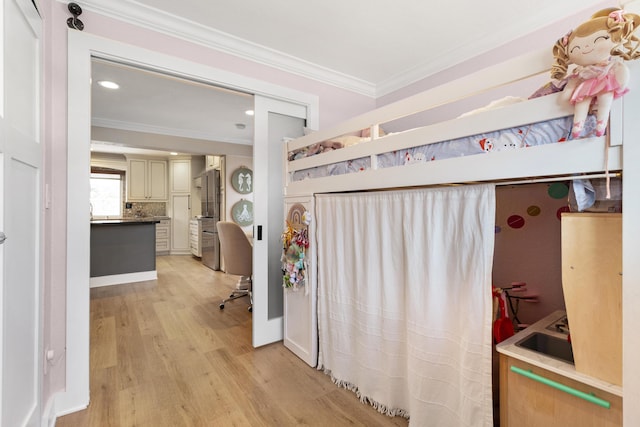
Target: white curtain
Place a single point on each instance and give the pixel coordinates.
(404, 300)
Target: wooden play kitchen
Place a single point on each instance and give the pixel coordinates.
(538, 389)
(592, 286)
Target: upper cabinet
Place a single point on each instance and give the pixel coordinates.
(180, 176)
(146, 180)
(212, 162)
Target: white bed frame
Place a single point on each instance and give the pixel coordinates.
(552, 160)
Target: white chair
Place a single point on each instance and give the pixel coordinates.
(237, 252)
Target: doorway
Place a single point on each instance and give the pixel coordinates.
(82, 48)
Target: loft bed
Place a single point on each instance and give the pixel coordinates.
(533, 143)
(387, 161)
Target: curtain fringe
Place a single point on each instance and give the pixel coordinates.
(383, 409)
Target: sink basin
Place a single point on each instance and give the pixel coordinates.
(548, 345)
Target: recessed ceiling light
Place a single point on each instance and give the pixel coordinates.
(249, 112)
(109, 85)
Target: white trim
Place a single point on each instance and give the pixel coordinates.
(120, 279)
(141, 127)
(49, 416)
(81, 47)
(176, 26)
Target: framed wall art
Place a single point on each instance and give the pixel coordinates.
(242, 180)
(242, 213)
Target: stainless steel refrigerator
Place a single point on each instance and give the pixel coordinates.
(210, 196)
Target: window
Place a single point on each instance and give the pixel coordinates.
(106, 193)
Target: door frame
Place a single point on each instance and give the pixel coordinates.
(82, 47)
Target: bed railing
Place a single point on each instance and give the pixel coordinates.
(518, 114)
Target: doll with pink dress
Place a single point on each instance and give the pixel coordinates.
(598, 49)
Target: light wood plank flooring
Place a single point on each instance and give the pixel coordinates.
(164, 354)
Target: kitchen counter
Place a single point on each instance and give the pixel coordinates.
(568, 370)
(123, 251)
(125, 221)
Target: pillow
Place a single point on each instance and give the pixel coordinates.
(502, 102)
(366, 132)
(346, 140)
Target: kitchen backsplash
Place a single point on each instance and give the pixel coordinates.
(144, 209)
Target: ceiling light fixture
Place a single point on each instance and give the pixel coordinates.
(173, 153)
(108, 84)
(249, 112)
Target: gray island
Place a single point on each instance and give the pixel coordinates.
(122, 251)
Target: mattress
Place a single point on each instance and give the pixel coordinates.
(532, 135)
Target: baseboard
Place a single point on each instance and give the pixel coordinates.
(119, 279)
(50, 413)
(180, 252)
(49, 416)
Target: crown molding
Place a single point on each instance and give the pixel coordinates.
(162, 22)
(141, 127)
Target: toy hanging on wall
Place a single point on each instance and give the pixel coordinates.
(598, 49)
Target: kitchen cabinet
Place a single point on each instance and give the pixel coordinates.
(525, 402)
(592, 287)
(195, 231)
(211, 162)
(180, 176)
(163, 233)
(180, 216)
(146, 180)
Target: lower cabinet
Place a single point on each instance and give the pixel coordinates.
(528, 402)
(195, 230)
(163, 233)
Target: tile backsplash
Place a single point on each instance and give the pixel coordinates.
(144, 209)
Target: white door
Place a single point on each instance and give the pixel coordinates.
(274, 120)
(20, 160)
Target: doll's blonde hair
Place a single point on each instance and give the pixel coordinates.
(619, 24)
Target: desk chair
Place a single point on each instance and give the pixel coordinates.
(237, 252)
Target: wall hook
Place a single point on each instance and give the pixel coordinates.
(74, 22)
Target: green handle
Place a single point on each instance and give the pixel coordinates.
(572, 391)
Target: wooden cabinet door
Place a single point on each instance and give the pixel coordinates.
(157, 180)
(528, 403)
(180, 217)
(180, 176)
(137, 180)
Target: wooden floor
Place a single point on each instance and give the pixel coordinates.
(164, 354)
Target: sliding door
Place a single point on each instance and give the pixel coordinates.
(274, 121)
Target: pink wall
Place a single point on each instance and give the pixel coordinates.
(545, 37)
(335, 105)
(527, 244)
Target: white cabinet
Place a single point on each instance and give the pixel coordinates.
(180, 216)
(211, 162)
(163, 233)
(146, 180)
(180, 176)
(195, 230)
(180, 205)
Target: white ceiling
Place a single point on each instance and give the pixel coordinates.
(160, 104)
(370, 46)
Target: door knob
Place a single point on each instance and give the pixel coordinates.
(3, 237)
